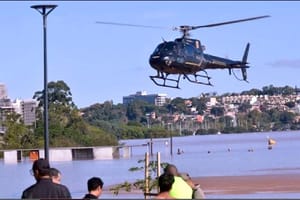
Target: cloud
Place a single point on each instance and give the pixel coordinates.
(293, 63)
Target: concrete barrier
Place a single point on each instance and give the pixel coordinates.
(60, 155)
(127, 152)
(12, 156)
(69, 153)
(103, 153)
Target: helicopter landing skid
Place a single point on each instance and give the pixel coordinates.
(196, 76)
(165, 79)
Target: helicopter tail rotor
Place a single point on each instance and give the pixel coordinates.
(244, 62)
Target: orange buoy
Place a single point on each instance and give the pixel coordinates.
(271, 141)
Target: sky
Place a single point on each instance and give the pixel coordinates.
(105, 62)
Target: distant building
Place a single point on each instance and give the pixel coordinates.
(156, 99)
(5, 102)
(25, 108)
(4, 111)
(3, 91)
(28, 111)
(17, 105)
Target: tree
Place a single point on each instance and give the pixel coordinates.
(252, 92)
(286, 117)
(287, 90)
(269, 90)
(177, 105)
(106, 111)
(255, 118)
(17, 135)
(66, 124)
(244, 107)
(134, 111)
(200, 104)
(140, 183)
(58, 93)
(290, 104)
(217, 111)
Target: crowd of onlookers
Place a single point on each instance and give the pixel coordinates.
(172, 184)
(48, 185)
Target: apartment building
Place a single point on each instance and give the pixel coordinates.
(156, 99)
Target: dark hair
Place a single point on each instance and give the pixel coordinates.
(168, 169)
(165, 182)
(54, 172)
(42, 166)
(94, 182)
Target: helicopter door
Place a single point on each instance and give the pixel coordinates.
(189, 53)
(180, 53)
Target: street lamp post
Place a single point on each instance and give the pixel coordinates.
(45, 10)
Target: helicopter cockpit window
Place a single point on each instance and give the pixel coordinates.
(158, 48)
(166, 48)
(189, 50)
(170, 46)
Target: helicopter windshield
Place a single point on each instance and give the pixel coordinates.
(168, 48)
(157, 49)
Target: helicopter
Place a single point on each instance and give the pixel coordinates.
(185, 57)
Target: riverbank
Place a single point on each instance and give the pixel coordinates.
(239, 185)
(274, 183)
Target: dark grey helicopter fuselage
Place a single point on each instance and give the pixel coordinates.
(185, 56)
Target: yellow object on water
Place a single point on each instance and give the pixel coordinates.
(271, 141)
(180, 189)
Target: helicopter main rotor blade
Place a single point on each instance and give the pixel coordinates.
(132, 25)
(228, 22)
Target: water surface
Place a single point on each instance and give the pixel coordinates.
(210, 155)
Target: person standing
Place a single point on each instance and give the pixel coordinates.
(180, 188)
(165, 182)
(95, 185)
(55, 175)
(44, 188)
(197, 191)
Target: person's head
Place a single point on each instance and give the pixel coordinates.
(95, 185)
(165, 182)
(171, 169)
(55, 175)
(40, 168)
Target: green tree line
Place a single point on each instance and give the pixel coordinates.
(131, 121)
(106, 123)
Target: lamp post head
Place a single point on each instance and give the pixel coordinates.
(44, 9)
(43, 6)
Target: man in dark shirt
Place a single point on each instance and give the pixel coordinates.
(95, 185)
(44, 187)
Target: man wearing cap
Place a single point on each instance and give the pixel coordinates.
(44, 187)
